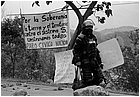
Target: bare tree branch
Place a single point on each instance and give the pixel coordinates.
(81, 19)
(89, 10)
(75, 9)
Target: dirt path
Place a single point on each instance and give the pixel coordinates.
(42, 90)
(37, 90)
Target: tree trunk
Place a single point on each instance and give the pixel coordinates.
(81, 19)
(13, 65)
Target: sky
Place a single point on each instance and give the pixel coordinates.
(124, 14)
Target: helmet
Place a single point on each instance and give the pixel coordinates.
(88, 23)
(88, 27)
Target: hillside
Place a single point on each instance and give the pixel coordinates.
(119, 29)
(121, 32)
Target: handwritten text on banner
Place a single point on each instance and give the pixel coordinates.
(48, 30)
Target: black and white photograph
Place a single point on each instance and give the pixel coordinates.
(70, 48)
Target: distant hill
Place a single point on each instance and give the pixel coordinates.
(121, 32)
(119, 29)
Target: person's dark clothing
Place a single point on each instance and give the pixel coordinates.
(85, 51)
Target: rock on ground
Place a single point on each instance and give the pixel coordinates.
(91, 91)
(25, 85)
(20, 92)
(18, 84)
(36, 88)
(50, 81)
(4, 86)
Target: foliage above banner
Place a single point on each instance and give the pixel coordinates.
(49, 30)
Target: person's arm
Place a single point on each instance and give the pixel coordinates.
(98, 57)
(77, 51)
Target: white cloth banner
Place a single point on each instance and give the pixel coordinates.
(47, 30)
(65, 71)
(111, 54)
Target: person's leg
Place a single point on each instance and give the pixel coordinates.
(86, 75)
(98, 76)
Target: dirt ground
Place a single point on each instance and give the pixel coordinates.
(36, 90)
(41, 90)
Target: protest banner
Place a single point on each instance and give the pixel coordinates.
(65, 70)
(111, 54)
(47, 30)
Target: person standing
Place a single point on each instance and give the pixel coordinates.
(86, 57)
